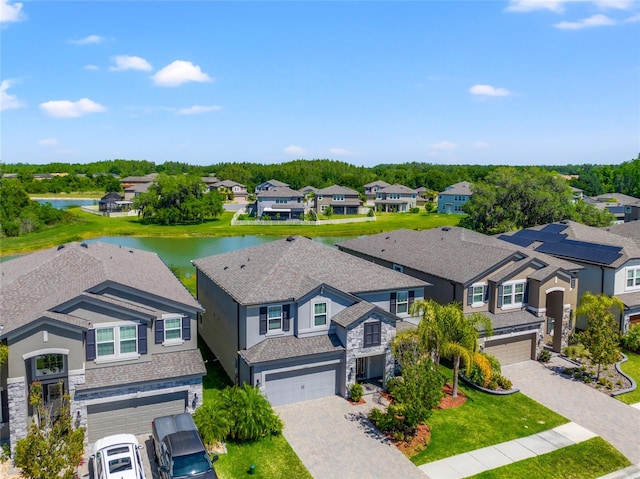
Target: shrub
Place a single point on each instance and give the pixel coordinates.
(370, 214)
(545, 356)
(212, 421)
(631, 340)
(504, 383)
(415, 209)
(493, 385)
(356, 390)
(588, 380)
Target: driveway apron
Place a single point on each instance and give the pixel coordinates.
(334, 440)
(616, 422)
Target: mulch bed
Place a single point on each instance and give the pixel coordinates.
(448, 401)
(614, 381)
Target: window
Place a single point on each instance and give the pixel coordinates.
(48, 364)
(513, 294)
(551, 322)
(379, 196)
(116, 341)
(478, 294)
(397, 267)
(338, 197)
(320, 314)
(393, 196)
(633, 278)
(372, 334)
(274, 317)
(281, 200)
(319, 197)
(402, 302)
(172, 329)
(323, 208)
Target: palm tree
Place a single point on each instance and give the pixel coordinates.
(431, 328)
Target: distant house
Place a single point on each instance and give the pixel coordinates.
(280, 203)
(111, 326)
(342, 200)
(114, 203)
(371, 189)
(239, 190)
(624, 207)
(302, 320)
(610, 262)
(528, 296)
(395, 198)
(136, 185)
(210, 181)
(308, 190)
(451, 200)
(269, 185)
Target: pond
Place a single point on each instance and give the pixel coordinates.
(63, 204)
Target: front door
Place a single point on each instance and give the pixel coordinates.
(361, 369)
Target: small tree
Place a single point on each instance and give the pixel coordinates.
(328, 212)
(601, 337)
(52, 448)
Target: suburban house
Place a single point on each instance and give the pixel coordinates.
(454, 197)
(210, 181)
(610, 261)
(342, 200)
(280, 203)
(528, 297)
(395, 198)
(624, 207)
(269, 185)
(114, 203)
(371, 189)
(111, 326)
(301, 320)
(135, 185)
(239, 190)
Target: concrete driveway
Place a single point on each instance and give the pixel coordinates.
(335, 440)
(616, 422)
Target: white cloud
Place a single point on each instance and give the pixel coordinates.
(126, 62)
(91, 67)
(11, 12)
(444, 145)
(531, 5)
(488, 90)
(8, 101)
(70, 109)
(197, 109)
(598, 20)
(479, 145)
(48, 142)
(179, 72)
(294, 150)
(88, 40)
(633, 19)
(617, 4)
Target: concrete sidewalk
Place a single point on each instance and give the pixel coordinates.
(480, 460)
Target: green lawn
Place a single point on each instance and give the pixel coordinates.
(484, 420)
(90, 226)
(272, 457)
(631, 368)
(586, 460)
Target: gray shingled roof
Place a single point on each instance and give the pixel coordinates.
(279, 192)
(290, 268)
(630, 229)
(452, 253)
(511, 319)
(353, 313)
(462, 188)
(630, 300)
(178, 364)
(336, 190)
(376, 183)
(39, 282)
(397, 188)
(273, 349)
(228, 183)
(275, 183)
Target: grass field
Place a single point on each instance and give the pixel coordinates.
(631, 368)
(90, 226)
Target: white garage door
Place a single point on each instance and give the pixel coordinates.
(301, 385)
(512, 350)
(132, 416)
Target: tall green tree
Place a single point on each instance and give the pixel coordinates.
(601, 337)
(53, 448)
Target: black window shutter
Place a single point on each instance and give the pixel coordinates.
(526, 293)
(29, 370)
(470, 295)
(392, 308)
(286, 320)
(412, 297)
(186, 328)
(159, 331)
(4, 401)
(377, 333)
(500, 296)
(263, 320)
(367, 335)
(90, 344)
(485, 293)
(142, 339)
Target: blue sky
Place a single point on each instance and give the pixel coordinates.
(485, 82)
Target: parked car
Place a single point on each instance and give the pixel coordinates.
(117, 457)
(179, 449)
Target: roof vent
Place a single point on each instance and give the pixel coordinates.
(446, 228)
(291, 238)
(242, 266)
(60, 247)
(84, 245)
(225, 268)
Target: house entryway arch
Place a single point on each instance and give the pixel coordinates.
(554, 318)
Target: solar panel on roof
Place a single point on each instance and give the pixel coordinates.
(591, 252)
(554, 228)
(517, 240)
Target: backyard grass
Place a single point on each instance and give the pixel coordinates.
(586, 460)
(272, 457)
(90, 226)
(484, 420)
(631, 368)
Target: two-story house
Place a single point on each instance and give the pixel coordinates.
(451, 200)
(610, 262)
(281, 203)
(269, 185)
(342, 200)
(111, 326)
(395, 198)
(528, 297)
(301, 320)
(371, 189)
(238, 190)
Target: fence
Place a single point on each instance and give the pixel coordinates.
(236, 222)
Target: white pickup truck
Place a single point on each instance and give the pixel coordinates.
(179, 449)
